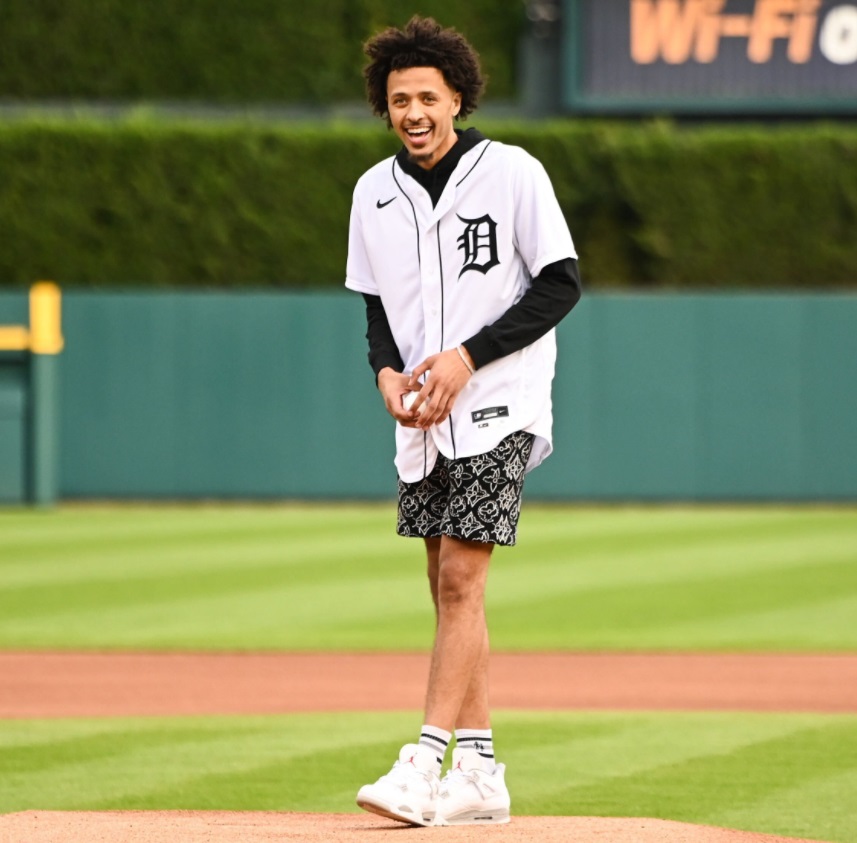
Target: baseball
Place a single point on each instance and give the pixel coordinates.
(408, 401)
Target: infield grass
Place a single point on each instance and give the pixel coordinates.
(303, 577)
(793, 775)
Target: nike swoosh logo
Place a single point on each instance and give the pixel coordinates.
(380, 204)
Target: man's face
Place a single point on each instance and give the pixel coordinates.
(422, 108)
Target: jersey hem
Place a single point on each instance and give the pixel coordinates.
(359, 287)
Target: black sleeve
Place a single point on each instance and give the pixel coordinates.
(552, 295)
(383, 350)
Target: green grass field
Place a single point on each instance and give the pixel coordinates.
(335, 577)
(788, 774)
(306, 577)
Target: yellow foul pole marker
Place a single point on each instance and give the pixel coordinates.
(45, 318)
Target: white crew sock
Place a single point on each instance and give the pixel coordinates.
(437, 740)
(479, 739)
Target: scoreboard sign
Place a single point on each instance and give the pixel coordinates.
(697, 56)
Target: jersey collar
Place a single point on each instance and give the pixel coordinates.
(435, 179)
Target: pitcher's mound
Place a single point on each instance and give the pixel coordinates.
(267, 827)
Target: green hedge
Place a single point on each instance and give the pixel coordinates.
(229, 205)
(658, 205)
(226, 51)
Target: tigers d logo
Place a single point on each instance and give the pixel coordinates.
(479, 242)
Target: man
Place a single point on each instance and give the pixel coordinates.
(466, 265)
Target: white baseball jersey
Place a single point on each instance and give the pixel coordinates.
(445, 272)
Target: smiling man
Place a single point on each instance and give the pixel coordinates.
(466, 265)
(422, 108)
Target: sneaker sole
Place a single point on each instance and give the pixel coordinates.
(477, 818)
(383, 810)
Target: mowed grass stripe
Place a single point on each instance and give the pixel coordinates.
(162, 762)
(97, 535)
(219, 533)
(733, 782)
(824, 626)
(201, 572)
(148, 537)
(610, 615)
(758, 772)
(337, 616)
(282, 780)
(549, 521)
(166, 564)
(831, 792)
(580, 566)
(338, 577)
(29, 535)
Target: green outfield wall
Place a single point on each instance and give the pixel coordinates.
(268, 395)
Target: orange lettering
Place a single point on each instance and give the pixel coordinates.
(673, 30)
(736, 26)
(773, 19)
(708, 42)
(668, 28)
(803, 32)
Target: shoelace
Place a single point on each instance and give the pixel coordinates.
(451, 774)
(471, 777)
(400, 769)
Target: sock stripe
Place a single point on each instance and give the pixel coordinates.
(434, 738)
(481, 740)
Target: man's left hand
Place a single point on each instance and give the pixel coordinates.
(447, 376)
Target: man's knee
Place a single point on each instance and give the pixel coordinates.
(462, 571)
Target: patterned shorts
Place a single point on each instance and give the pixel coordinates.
(475, 498)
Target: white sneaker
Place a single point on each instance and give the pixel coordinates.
(407, 793)
(470, 794)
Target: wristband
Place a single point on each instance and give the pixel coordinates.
(464, 360)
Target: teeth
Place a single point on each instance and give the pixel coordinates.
(422, 131)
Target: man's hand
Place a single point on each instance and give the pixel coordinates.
(393, 386)
(448, 374)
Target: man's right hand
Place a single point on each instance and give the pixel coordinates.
(393, 386)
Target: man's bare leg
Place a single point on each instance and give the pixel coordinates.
(458, 680)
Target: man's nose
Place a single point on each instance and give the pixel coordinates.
(415, 111)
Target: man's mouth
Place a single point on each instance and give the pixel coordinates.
(418, 132)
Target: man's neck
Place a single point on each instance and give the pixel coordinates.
(435, 178)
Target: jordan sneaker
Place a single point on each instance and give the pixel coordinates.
(470, 794)
(408, 793)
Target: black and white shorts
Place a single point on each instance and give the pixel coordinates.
(474, 498)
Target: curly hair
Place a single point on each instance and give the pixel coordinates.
(423, 43)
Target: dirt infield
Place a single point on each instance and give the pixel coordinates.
(264, 827)
(114, 684)
(105, 684)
